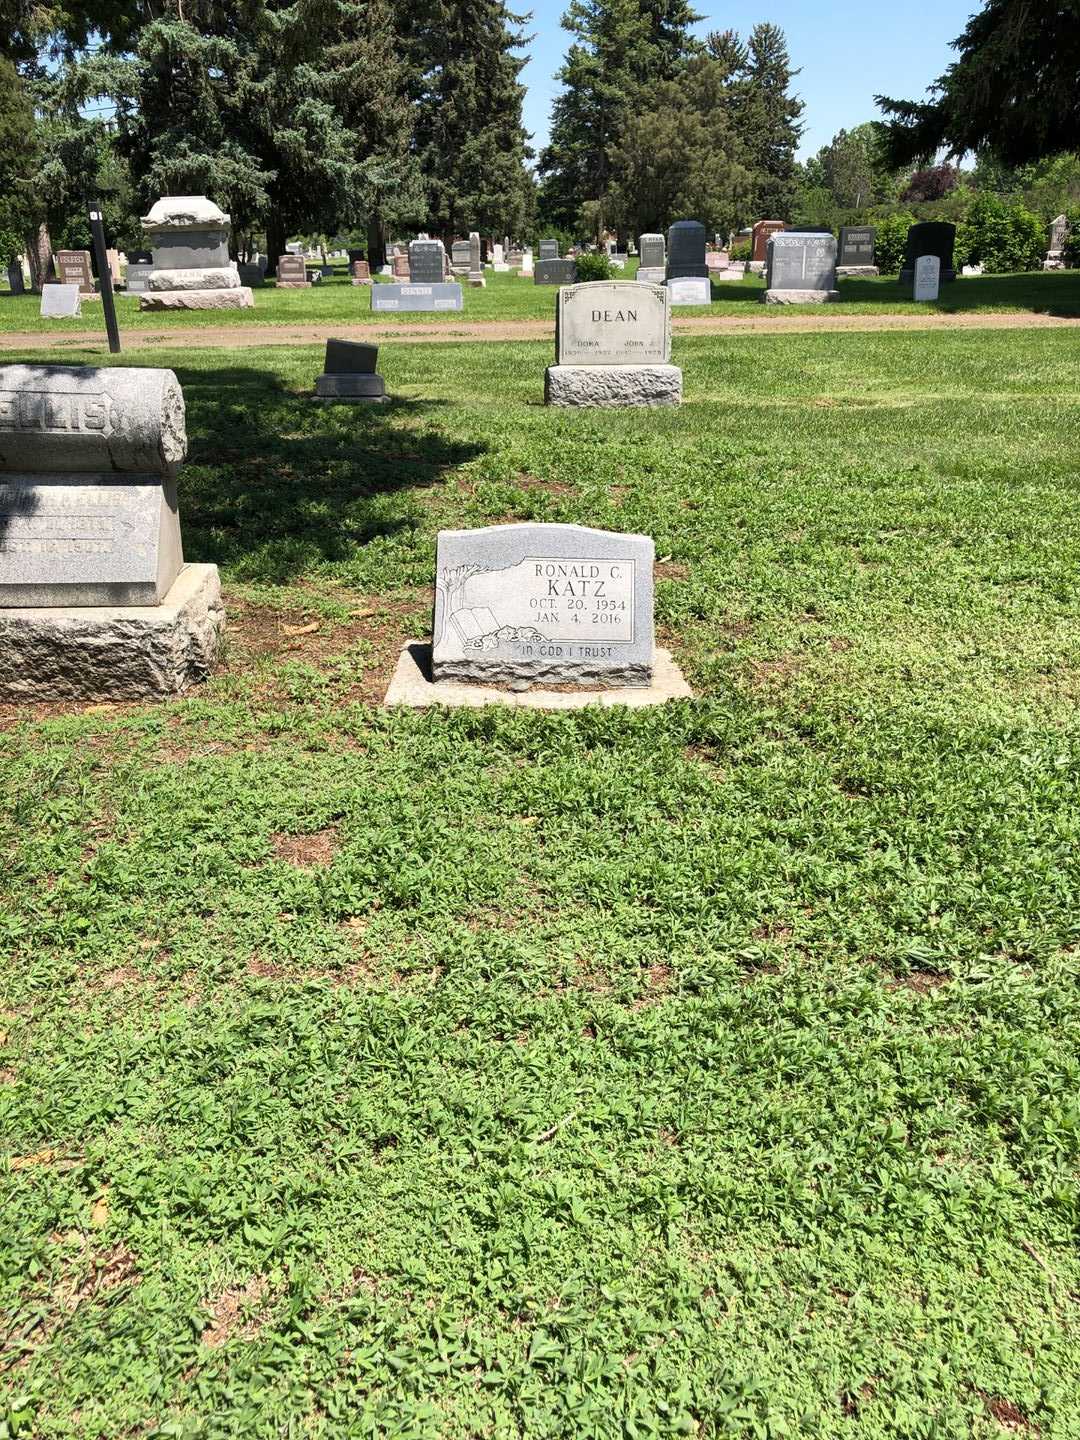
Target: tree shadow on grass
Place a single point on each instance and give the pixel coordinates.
(1044, 293)
(276, 484)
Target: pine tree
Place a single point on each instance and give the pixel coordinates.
(470, 140)
(621, 49)
(770, 122)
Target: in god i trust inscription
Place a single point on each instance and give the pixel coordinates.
(535, 605)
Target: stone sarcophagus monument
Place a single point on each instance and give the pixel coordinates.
(189, 238)
(96, 601)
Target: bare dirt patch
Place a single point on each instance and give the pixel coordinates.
(770, 674)
(920, 982)
(238, 1313)
(306, 851)
(1008, 1415)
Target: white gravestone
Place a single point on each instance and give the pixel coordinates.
(927, 277)
(525, 605)
(613, 347)
(60, 302)
(189, 237)
(690, 290)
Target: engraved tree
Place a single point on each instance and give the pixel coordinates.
(452, 581)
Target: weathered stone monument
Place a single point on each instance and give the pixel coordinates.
(549, 249)
(60, 302)
(15, 280)
(929, 237)
(498, 260)
(477, 278)
(189, 237)
(460, 256)
(349, 376)
(555, 272)
(1059, 233)
(96, 601)
(400, 266)
(800, 268)
(652, 260)
(759, 243)
(427, 262)
(927, 282)
(292, 273)
(857, 251)
(527, 272)
(613, 347)
(525, 605)
(360, 272)
(73, 268)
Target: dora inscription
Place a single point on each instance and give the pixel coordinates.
(525, 605)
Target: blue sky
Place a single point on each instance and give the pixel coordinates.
(849, 51)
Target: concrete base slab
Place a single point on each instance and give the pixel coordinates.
(859, 272)
(612, 387)
(412, 685)
(114, 652)
(240, 298)
(801, 297)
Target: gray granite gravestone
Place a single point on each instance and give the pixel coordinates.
(652, 252)
(137, 279)
(189, 237)
(460, 255)
(686, 251)
(927, 278)
(857, 250)
(60, 302)
(445, 296)
(549, 250)
(929, 237)
(95, 599)
(612, 347)
(349, 376)
(555, 272)
(476, 264)
(525, 605)
(800, 268)
(427, 262)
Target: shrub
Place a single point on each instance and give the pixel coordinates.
(741, 250)
(1000, 237)
(890, 242)
(594, 267)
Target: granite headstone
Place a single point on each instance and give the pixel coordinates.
(444, 296)
(929, 237)
(554, 272)
(686, 251)
(549, 249)
(800, 267)
(857, 249)
(927, 281)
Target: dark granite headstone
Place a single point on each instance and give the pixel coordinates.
(929, 237)
(549, 249)
(194, 250)
(16, 283)
(426, 262)
(801, 260)
(554, 272)
(686, 251)
(350, 357)
(856, 245)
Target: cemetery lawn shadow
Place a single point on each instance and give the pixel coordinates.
(276, 485)
(1044, 293)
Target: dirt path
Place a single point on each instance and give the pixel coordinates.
(244, 337)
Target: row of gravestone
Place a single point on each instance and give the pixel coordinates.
(98, 602)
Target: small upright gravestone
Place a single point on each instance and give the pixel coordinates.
(929, 237)
(95, 599)
(613, 347)
(73, 268)
(801, 268)
(686, 270)
(189, 237)
(857, 251)
(292, 273)
(60, 302)
(652, 260)
(400, 266)
(460, 255)
(525, 605)
(759, 243)
(927, 282)
(359, 272)
(427, 262)
(16, 283)
(137, 276)
(1059, 233)
(349, 376)
(549, 249)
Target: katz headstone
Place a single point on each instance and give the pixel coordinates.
(686, 251)
(292, 272)
(759, 239)
(137, 279)
(525, 605)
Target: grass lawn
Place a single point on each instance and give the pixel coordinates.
(708, 1070)
(509, 298)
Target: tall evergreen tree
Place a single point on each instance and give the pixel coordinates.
(771, 122)
(621, 49)
(470, 140)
